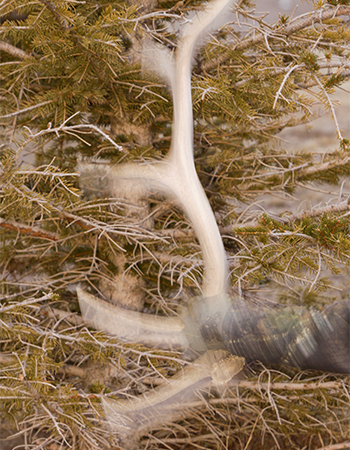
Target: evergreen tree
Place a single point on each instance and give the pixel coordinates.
(74, 95)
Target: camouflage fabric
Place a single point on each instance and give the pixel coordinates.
(307, 339)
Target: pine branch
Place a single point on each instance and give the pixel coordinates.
(312, 169)
(29, 230)
(51, 7)
(297, 24)
(300, 67)
(22, 111)
(316, 212)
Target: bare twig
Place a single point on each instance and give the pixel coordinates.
(30, 301)
(341, 65)
(257, 385)
(340, 207)
(343, 445)
(72, 129)
(22, 111)
(283, 83)
(296, 25)
(301, 386)
(14, 51)
(331, 106)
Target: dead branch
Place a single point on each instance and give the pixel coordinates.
(12, 50)
(314, 17)
(30, 230)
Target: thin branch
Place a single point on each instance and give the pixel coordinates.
(283, 83)
(297, 25)
(30, 301)
(12, 50)
(302, 386)
(22, 111)
(69, 129)
(47, 173)
(340, 207)
(330, 103)
(343, 445)
(325, 166)
(310, 83)
(157, 15)
(298, 68)
(27, 229)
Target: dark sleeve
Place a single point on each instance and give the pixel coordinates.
(307, 339)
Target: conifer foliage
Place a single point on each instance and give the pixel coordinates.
(72, 90)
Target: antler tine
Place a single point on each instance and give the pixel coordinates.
(133, 418)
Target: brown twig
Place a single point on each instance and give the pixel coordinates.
(289, 386)
(27, 229)
(303, 386)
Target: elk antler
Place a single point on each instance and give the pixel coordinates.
(211, 324)
(175, 176)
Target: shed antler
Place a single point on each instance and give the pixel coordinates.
(174, 176)
(211, 324)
